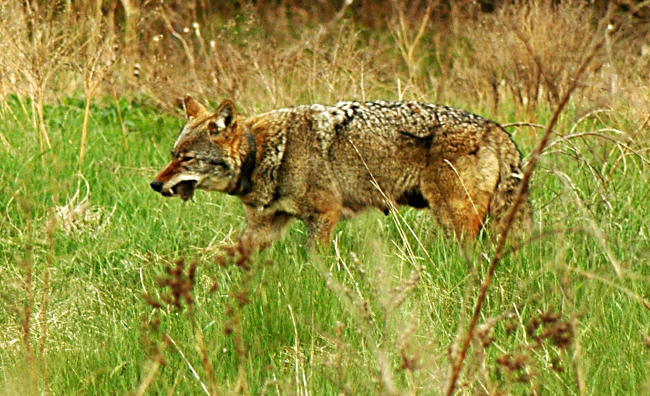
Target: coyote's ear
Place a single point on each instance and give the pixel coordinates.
(223, 117)
(193, 108)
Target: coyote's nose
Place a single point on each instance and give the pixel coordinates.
(156, 185)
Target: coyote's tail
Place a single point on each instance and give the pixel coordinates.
(507, 189)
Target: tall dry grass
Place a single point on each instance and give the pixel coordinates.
(36, 46)
(264, 56)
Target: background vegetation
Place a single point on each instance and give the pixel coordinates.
(106, 288)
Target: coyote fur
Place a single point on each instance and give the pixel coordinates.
(319, 163)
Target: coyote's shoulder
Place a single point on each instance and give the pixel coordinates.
(319, 162)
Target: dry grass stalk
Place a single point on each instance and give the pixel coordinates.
(407, 38)
(150, 374)
(27, 311)
(95, 60)
(45, 303)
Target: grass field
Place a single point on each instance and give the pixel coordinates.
(108, 288)
(376, 314)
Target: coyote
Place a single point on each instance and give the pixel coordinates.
(319, 163)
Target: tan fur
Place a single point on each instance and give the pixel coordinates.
(317, 162)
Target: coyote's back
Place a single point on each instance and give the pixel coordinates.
(317, 163)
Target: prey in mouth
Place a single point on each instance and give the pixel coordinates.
(185, 189)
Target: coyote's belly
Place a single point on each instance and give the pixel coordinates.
(379, 179)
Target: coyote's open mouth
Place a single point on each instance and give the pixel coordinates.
(185, 189)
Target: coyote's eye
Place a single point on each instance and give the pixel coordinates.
(187, 158)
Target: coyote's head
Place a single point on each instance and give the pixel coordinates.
(206, 155)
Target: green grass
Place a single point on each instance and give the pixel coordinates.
(368, 321)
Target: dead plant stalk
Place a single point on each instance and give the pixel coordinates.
(406, 41)
(96, 62)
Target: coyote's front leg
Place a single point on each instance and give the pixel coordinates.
(321, 225)
(264, 227)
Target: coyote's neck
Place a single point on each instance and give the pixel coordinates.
(245, 184)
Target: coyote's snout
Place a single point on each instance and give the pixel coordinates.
(318, 162)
